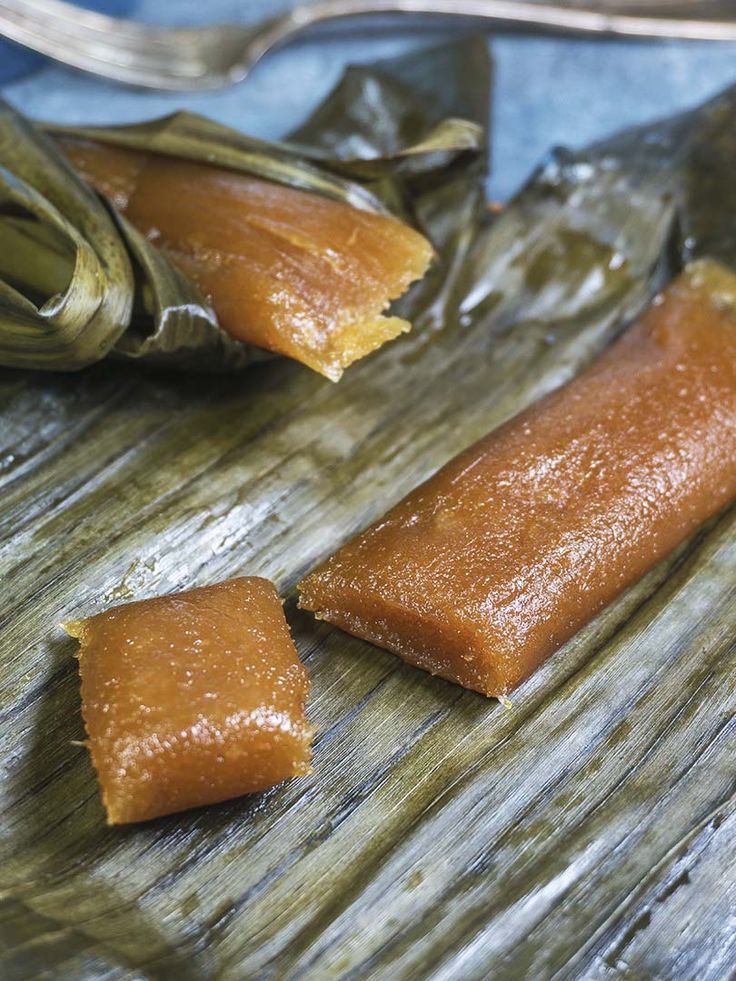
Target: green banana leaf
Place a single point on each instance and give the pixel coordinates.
(588, 832)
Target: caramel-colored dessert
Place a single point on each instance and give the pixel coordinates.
(284, 269)
(488, 567)
(192, 698)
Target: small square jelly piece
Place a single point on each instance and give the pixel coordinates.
(192, 698)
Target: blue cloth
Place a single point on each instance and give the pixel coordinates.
(547, 90)
(16, 61)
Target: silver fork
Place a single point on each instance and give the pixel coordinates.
(210, 57)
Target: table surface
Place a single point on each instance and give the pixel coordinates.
(511, 824)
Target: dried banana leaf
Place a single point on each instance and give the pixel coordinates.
(73, 263)
(78, 282)
(588, 832)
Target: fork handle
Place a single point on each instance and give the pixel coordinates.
(520, 13)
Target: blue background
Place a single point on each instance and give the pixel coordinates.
(548, 90)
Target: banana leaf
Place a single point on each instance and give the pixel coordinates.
(587, 832)
(78, 283)
(73, 262)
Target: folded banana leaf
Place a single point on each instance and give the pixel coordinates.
(589, 832)
(77, 282)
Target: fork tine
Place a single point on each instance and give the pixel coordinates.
(57, 14)
(91, 46)
(165, 68)
(121, 49)
(141, 54)
(129, 52)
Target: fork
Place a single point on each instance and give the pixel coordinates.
(189, 58)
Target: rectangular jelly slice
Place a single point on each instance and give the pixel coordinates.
(488, 567)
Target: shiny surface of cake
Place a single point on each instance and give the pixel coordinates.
(285, 269)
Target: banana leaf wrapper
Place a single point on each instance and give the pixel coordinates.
(540, 841)
(65, 251)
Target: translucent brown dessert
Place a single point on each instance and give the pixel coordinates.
(192, 698)
(286, 270)
(484, 570)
